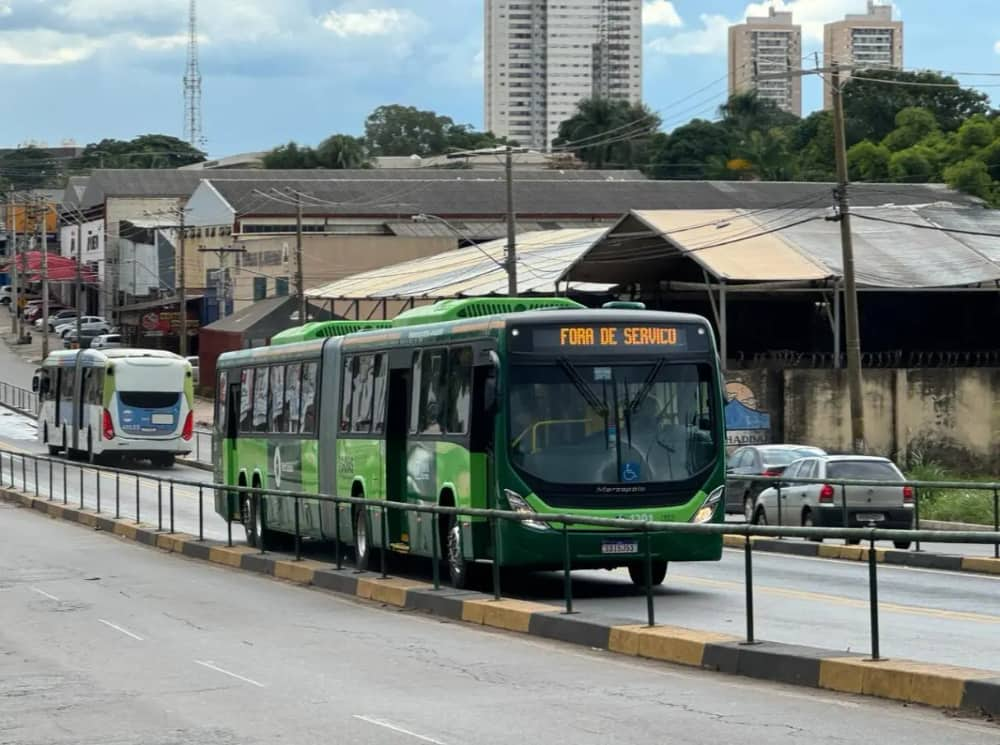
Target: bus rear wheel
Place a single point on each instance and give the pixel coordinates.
(458, 569)
(362, 541)
(637, 573)
(163, 460)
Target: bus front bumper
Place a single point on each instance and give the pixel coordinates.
(146, 446)
(525, 546)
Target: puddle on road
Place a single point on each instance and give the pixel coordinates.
(17, 427)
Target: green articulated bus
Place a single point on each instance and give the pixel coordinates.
(537, 405)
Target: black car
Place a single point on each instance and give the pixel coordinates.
(758, 460)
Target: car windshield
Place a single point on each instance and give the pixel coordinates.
(867, 470)
(611, 424)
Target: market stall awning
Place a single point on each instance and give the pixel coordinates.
(58, 268)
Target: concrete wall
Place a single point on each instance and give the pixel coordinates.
(949, 415)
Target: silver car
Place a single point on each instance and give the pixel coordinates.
(822, 505)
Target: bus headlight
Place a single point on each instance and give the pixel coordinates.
(518, 504)
(708, 507)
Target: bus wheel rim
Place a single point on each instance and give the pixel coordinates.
(455, 560)
(362, 536)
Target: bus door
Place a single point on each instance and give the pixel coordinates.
(228, 426)
(396, 428)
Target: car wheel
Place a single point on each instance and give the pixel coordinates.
(748, 503)
(902, 545)
(637, 573)
(760, 517)
(808, 522)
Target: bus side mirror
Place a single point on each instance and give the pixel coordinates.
(35, 384)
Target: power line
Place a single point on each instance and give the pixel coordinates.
(938, 228)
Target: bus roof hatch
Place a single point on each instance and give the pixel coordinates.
(476, 307)
(324, 329)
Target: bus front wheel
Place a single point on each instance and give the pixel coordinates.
(458, 570)
(362, 542)
(637, 573)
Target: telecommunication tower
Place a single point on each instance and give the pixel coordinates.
(192, 84)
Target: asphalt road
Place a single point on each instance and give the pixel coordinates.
(107, 642)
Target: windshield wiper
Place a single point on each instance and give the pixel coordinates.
(581, 385)
(647, 386)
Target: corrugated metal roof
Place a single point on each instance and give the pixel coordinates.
(475, 271)
(904, 247)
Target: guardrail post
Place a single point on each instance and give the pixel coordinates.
(229, 518)
(65, 482)
(748, 567)
(873, 596)
(298, 534)
(567, 580)
(137, 519)
(50, 480)
(780, 521)
(495, 525)
(916, 516)
(201, 512)
(171, 506)
(996, 521)
(257, 503)
(384, 556)
(97, 478)
(650, 612)
(118, 495)
(336, 532)
(24, 475)
(159, 505)
(435, 548)
(843, 505)
(80, 469)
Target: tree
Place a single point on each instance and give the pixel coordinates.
(977, 131)
(28, 168)
(608, 132)
(768, 155)
(867, 161)
(913, 125)
(748, 112)
(973, 177)
(405, 130)
(290, 157)
(812, 141)
(144, 151)
(341, 151)
(687, 152)
(910, 166)
(871, 107)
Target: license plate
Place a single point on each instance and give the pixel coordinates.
(620, 547)
(870, 517)
(162, 418)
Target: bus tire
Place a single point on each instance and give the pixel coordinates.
(637, 573)
(164, 460)
(91, 457)
(362, 540)
(247, 514)
(458, 568)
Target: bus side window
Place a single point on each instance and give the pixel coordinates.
(277, 398)
(308, 424)
(346, 399)
(433, 392)
(459, 390)
(381, 378)
(221, 394)
(260, 400)
(246, 400)
(293, 392)
(415, 396)
(361, 419)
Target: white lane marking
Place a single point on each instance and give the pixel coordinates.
(394, 728)
(217, 669)
(45, 594)
(119, 628)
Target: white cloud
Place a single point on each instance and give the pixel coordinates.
(996, 47)
(374, 22)
(810, 14)
(162, 43)
(44, 47)
(5, 9)
(660, 13)
(100, 11)
(709, 39)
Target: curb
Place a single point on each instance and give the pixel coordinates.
(973, 564)
(940, 686)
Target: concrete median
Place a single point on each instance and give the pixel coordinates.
(940, 686)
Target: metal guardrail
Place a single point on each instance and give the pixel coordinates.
(558, 522)
(990, 487)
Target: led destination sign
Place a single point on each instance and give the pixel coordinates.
(585, 338)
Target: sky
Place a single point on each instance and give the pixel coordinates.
(280, 70)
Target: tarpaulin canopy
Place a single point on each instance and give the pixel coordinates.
(59, 268)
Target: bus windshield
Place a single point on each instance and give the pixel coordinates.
(575, 423)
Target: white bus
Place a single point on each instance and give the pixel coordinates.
(114, 403)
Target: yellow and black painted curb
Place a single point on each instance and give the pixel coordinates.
(940, 686)
(922, 560)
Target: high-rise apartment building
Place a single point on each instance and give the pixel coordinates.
(767, 45)
(873, 40)
(542, 57)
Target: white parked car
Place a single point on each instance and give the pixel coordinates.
(107, 341)
(56, 318)
(87, 323)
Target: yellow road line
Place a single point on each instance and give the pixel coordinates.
(843, 601)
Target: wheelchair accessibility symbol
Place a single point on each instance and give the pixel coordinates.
(630, 472)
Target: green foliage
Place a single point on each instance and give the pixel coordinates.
(910, 166)
(955, 505)
(867, 161)
(912, 126)
(871, 107)
(28, 168)
(977, 132)
(341, 152)
(973, 177)
(405, 130)
(144, 151)
(601, 132)
(291, 156)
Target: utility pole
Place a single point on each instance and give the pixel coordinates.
(79, 289)
(222, 272)
(511, 227)
(15, 295)
(853, 334)
(299, 274)
(182, 287)
(45, 280)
